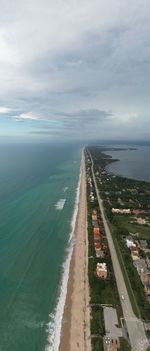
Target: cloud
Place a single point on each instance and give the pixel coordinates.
(4, 110)
(76, 64)
(89, 114)
(27, 116)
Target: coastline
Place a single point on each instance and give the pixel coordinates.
(54, 326)
(75, 332)
(125, 164)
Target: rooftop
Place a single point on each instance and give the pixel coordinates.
(143, 243)
(102, 266)
(140, 264)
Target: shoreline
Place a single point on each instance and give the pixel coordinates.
(54, 334)
(119, 172)
(75, 331)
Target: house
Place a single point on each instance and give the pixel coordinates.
(143, 244)
(99, 253)
(97, 239)
(101, 270)
(94, 212)
(98, 245)
(115, 210)
(140, 265)
(141, 221)
(147, 288)
(96, 231)
(134, 253)
(145, 277)
(94, 217)
(94, 223)
(138, 212)
(92, 198)
(105, 245)
(130, 242)
(121, 210)
(148, 261)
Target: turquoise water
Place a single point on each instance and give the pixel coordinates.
(33, 237)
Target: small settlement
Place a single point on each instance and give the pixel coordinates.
(127, 204)
(138, 249)
(101, 269)
(107, 334)
(127, 207)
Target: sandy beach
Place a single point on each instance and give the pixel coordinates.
(76, 320)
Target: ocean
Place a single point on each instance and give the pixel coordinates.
(39, 193)
(132, 163)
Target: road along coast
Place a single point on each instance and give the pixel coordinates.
(75, 333)
(135, 326)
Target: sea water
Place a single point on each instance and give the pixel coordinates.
(39, 193)
(132, 163)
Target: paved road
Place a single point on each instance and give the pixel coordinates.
(135, 326)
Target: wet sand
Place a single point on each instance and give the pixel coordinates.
(76, 320)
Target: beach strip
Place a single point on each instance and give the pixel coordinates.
(75, 333)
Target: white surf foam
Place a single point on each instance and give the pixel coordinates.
(65, 189)
(60, 204)
(55, 321)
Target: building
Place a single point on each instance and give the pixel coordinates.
(140, 265)
(99, 253)
(134, 253)
(147, 288)
(97, 241)
(94, 223)
(130, 242)
(138, 212)
(143, 244)
(96, 231)
(121, 210)
(92, 198)
(145, 277)
(94, 217)
(148, 261)
(98, 245)
(101, 270)
(141, 221)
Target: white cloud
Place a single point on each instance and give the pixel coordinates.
(78, 55)
(28, 116)
(5, 109)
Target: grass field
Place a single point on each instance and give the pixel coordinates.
(143, 231)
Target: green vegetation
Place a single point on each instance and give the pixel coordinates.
(97, 324)
(141, 231)
(135, 281)
(126, 278)
(101, 291)
(123, 193)
(97, 344)
(124, 345)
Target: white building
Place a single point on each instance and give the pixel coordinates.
(121, 210)
(130, 242)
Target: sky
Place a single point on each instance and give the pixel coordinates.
(75, 69)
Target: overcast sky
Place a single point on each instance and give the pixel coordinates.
(75, 69)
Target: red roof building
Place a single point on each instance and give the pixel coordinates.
(101, 270)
